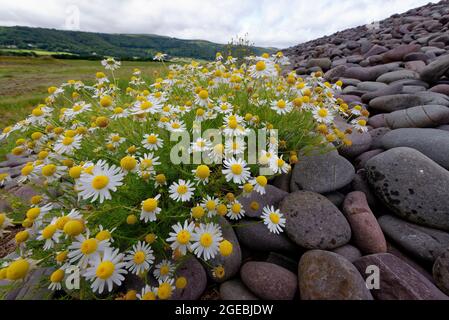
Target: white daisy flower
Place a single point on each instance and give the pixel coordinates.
(281, 106)
(216, 153)
(106, 271)
(273, 219)
(263, 68)
(235, 211)
(164, 269)
(111, 64)
(278, 165)
(181, 190)
(100, 182)
(360, 125)
(56, 279)
(206, 240)
(51, 172)
(202, 99)
(5, 223)
(181, 237)
(176, 126)
(84, 249)
(152, 142)
(115, 140)
(210, 204)
(67, 145)
(236, 170)
(147, 293)
(323, 115)
(150, 209)
(150, 106)
(140, 258)
(202, 174)
(234, 146)
(200, 145)
(259, 184)
(50, 234)
(234, 125)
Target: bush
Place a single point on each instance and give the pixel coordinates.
(113, 198)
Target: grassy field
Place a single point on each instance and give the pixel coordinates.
(24, 81)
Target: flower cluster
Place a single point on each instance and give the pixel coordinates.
(112, 203)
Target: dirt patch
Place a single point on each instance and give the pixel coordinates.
(7, 242)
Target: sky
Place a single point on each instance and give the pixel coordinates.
(273, 23)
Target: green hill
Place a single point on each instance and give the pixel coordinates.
(123, 46)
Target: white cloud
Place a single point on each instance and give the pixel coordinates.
(279, 23)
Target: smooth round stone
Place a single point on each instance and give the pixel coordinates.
(371, 86)
(433, 143)
(377, 135)
(361, 142)
(416, 66)
(360, 183)
(335, 197)
(367, 73)
(388, 90)
(411, 185)
(325, 275)
(398, 280)
(366, 232)
(269, 281)
(418, 117)
(377, 121)
(435, 70)
(361, 160)
(196, 277)
(323, 63)
(397, 75)
(256, 236)
(272, 197)
(235, 290)
(441, 88)
(313, 222)
(403, 101)
(322, 173)
(413, 89)
(231, 263)
(375, 50)
(349, 252)
(398, 53)
(423, 243)
(440, 272)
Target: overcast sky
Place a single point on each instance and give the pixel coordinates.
(277, 23)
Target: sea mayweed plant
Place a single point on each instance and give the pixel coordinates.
(111, 202)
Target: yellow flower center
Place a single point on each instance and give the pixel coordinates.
(73, 228)
(206, 240)
(105, 270)
(146, 105)
(182, 189)
(236, 207)
(202, 172)
(60, 257)
(210, 205)
(165, 270)
(281, 104)
(164, 291)
(254, 206)
(49, 170)
(198, 212)
(75, 172)
(139, 257)
(203, 94)
(236, 169)
(67, 141)
(248, 187)
(150, 205)
(37, 112)
(27, 170)
(262, 181)
(233, 124)
(261, 66)
(49, 231)
(61, 222)
(77, 108)
(17, 270)
(33, 213)
(106, 101)
(149, 296)
(103, 235)
(274, 218)
(22, 236)
(2, 218)
(362, 122)
(280, 162)
(181, 283)
(175, 125)
(128, 163)
(57, 276)
(152, 139)
(323, 112)
(89, 246)
(183, 237)
(100, 182)
(225, 248)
